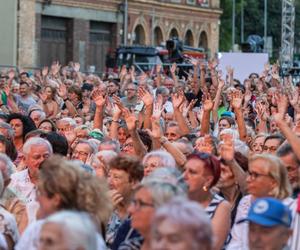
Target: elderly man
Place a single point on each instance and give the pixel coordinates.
(130, 99)
(23, 183)
(37, 115)
(270, 222)
(83, 151)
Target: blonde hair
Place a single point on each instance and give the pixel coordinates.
(78, 190)
(278, 172)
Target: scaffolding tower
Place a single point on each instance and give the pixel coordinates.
(287, 33)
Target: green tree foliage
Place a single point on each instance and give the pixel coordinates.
(254, 22)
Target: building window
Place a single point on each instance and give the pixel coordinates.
(139, 36)
(174, 34)
(53, 44)
(203, 43)
(158, 36)
(189, 38)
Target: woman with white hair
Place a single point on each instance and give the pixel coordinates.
(68, 230)
(181, 224)
(157, 159)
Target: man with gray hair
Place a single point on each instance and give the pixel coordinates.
(23, 183)
(37, 115)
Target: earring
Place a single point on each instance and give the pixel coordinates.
(205, 188)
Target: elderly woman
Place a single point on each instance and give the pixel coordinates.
(64, 185)
(181, 224)
(267, 178)
(148, 197)
(68, 230)
(157, 159)
(202, 172)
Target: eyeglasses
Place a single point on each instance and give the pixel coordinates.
(130, 89)
(254, 175)
(129, 145)
(80, 153)
(270, 149)
(140, 204)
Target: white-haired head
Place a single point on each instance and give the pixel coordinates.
(36, 141)
(77, 229)
(163, 159)
(189, 219)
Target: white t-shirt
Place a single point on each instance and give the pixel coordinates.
(240, 232)
(26, 192)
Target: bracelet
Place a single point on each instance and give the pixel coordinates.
(67, 99)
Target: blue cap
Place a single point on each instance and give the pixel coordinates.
(269, 212)
(228, 114)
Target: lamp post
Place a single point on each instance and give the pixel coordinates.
(125, 22)
(265, 24)
(233, 24)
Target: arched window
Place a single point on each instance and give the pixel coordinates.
(139, 35)
(158, 36)
(203, 43)
(174, 33)
(189, 38)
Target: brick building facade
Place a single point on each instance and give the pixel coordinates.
(85, 30)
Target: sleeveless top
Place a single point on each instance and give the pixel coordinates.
(211, 209)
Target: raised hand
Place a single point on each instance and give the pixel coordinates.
(55, 67)
(261, 111)
(130, 119)
(158, 68)
(294, 98)
(98, 98)
(173, 68)
(237, 100)
(207, 102)
(227, 147)
(62, 91)
(188, 107)
(212, 64)
(177, 99)
(117, 101)
(221, 84)
(282, 103)
(11, 74)
(123, 71)
(116, 112)
(157, 109)
(76, 67)
(145, 96)
(45, 71)
(230, 70)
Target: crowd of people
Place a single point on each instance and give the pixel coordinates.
(163, 160)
